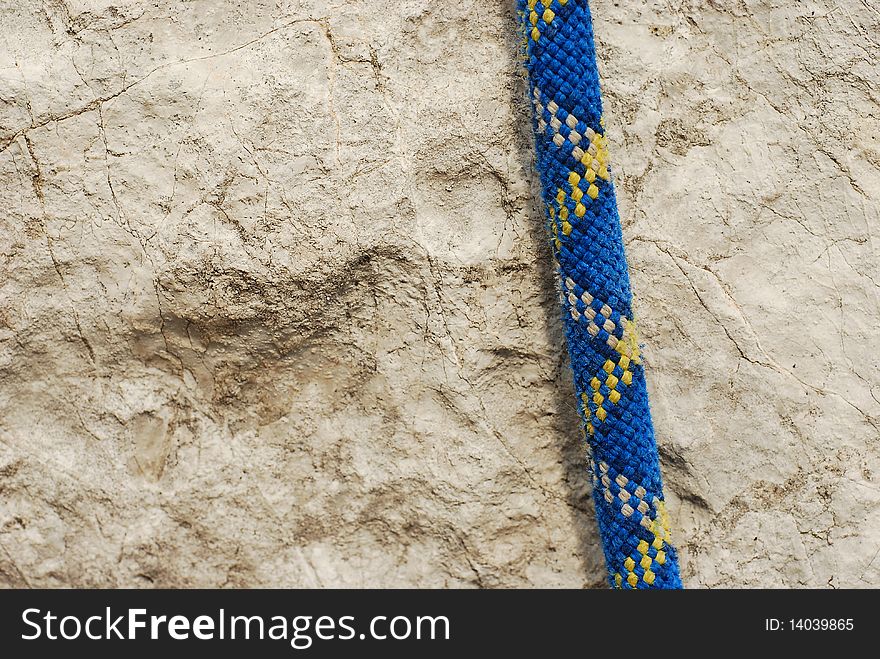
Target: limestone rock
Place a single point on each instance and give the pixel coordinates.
(276, 307)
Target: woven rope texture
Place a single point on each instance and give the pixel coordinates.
(584, 228)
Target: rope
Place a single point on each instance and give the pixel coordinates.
(585, 234)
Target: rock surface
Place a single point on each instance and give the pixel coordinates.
(276, 306)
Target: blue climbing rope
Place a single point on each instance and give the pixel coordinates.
(584, 228)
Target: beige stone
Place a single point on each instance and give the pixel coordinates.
(276, 306)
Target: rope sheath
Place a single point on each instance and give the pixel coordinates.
(585, 234)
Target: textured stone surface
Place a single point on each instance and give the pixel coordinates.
(276, 307)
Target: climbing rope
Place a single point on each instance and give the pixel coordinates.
(584, 229)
